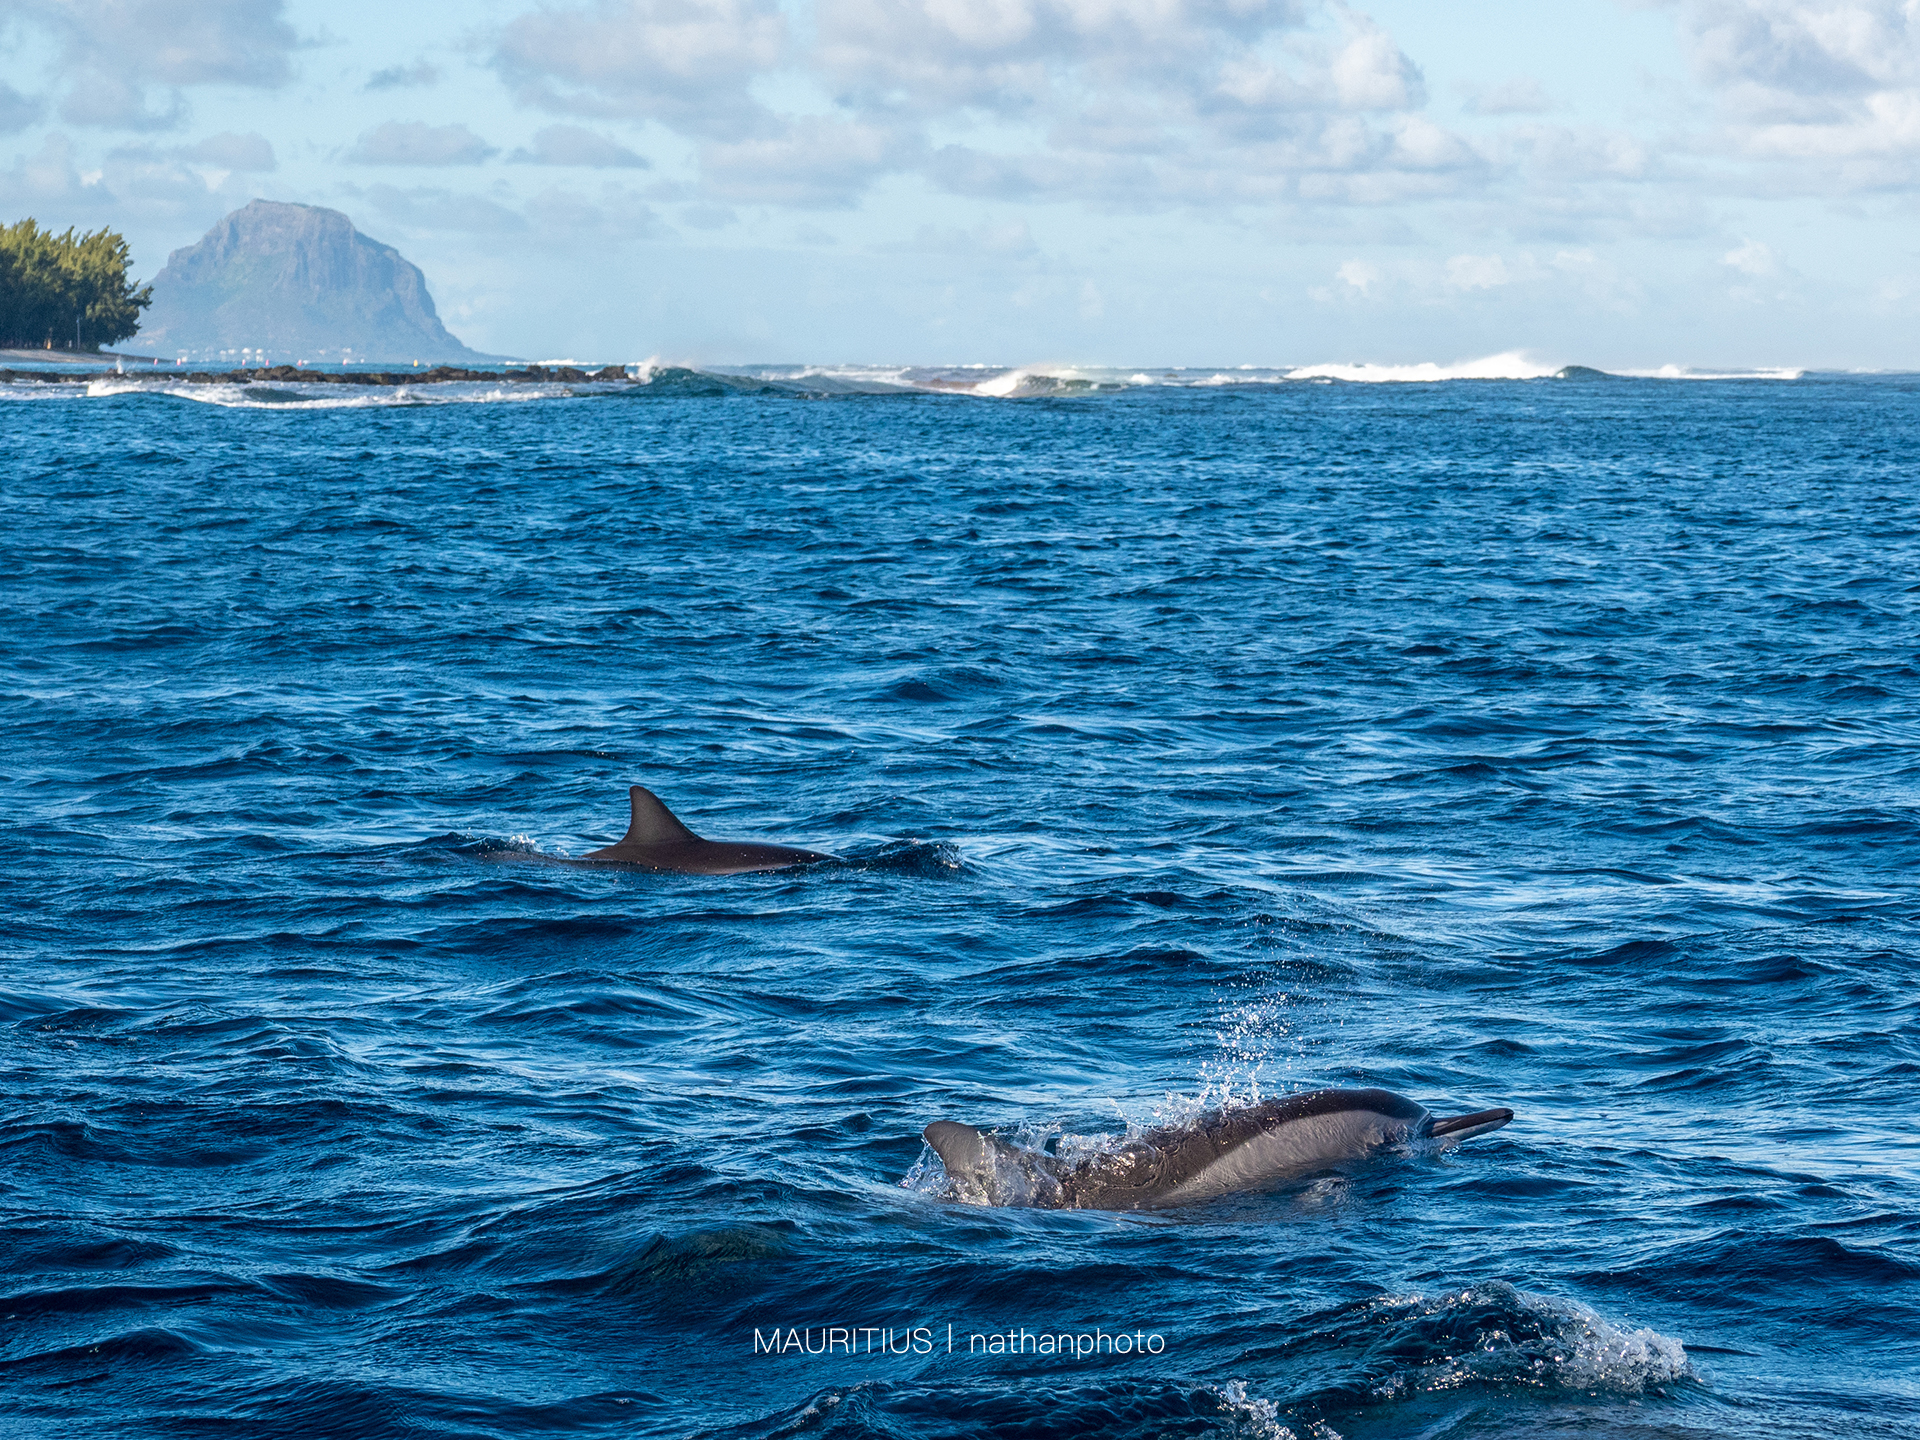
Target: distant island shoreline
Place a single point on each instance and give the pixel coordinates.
(282, 374)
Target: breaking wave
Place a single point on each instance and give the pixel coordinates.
(656, 380)
(1385, 1360)
(1511, 365)
(1495, 1334)
(1684, 372)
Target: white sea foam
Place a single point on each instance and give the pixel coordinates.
(1261, 1418)
(1004, 385)
(991, 382)
(310, 395)
(1527, 1339)
(33, 390)
(1508, 365)
(1682, 372)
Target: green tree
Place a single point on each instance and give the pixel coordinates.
(52, 284)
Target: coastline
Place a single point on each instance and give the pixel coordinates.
(438, 375)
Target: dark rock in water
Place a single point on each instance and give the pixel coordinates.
(1582, 372)
(439, 374)
(295, 282)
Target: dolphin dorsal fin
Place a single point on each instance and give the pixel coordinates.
(961, 1148)
(653, 823)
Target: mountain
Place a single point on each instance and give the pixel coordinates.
(294, 282)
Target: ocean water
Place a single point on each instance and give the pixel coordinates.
(1186, 740)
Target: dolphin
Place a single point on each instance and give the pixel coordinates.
(1222, 1151)
(656, 840)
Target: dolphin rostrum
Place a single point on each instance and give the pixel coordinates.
(1222, 1151)
(656, 840)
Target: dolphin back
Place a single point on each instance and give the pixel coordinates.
(1218, 1153)
(656, 839)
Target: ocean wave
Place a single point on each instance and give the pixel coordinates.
(1495, 1334)
(1685, 372)
(655, 378)
(1509, 365)
(1390, 1356)
(282, 395)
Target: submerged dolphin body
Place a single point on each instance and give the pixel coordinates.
(656, 840)
(1219, 1153)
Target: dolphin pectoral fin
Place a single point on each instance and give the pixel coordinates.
(961, 1148)
(1454, 1128)
(652, 822)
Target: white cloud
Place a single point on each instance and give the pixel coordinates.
(17, 111)
(1832, 89)
(424, 209)
(811, 161)
(1751, 257)
(114, 51)
(1133, 104)
(1011, 239)
(572, 145)
(687, 63)
(129, 189)
(1477, 272)
(249, 152)
(226, 152)
(48, 174)
(1560, 152)
(1358, 275)
(414, 142)
(1419, 144)
(418, 75)
(1370, 73)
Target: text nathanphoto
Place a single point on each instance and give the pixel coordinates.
(947, 1339)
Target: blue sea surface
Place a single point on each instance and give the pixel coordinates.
(1552, 744)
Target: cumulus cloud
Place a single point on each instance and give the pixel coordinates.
(572, 145)
(130, 188)
(226, 153)
(116, 53)
(48, 174)
(414, 142)
(1248, 65)
(1370, 73)
(17, 111)
(249, 152)
(1751, 257)
(1010, 56)
(416, 76)
(687, 63)
(1477, 272)
(1124, 103)
(811, 161)
(1011, 238)
(1358, 275)
(560, 218)
(1832, 87)
(423, 208)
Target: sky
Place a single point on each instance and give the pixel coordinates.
(1618, 183)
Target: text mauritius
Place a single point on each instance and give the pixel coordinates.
(923, 1340)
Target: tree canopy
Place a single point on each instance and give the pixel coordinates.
(49, 283)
